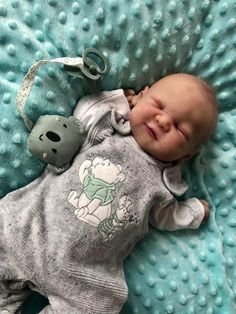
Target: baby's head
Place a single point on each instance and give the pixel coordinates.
(174, 117)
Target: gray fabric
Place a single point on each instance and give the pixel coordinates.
(66, 236)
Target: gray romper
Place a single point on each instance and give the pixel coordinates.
(66, 236)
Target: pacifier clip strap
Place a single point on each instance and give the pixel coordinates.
(29, 78)
(89, 68)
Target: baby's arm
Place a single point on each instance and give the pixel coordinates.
(188, 214)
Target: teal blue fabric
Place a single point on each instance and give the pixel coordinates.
(188, 271)
(34, 304)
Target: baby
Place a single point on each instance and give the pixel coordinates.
(174, 106)
(66, 236)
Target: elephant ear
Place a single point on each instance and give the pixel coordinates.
(173, 180)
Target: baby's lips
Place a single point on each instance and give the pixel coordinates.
(151, 131)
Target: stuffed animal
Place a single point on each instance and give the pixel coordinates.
(55, 140)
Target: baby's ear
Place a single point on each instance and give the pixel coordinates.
(143, 92)
(139, 96)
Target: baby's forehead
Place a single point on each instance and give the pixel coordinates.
(186, 87)
(182, 80)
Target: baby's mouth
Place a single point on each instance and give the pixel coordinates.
(151, 132)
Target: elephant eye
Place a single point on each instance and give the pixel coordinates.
(65, 126)
(54, 150)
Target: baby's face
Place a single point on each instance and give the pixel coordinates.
(173, 118)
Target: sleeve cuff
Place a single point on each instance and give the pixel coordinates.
(198, 212)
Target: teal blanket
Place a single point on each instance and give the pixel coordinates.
(144, 40)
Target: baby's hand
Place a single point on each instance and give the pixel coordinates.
(206, 208)
(129, 93)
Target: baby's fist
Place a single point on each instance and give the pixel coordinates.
(129, 93)
(206, 208)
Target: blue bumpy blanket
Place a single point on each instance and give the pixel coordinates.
(185, 272)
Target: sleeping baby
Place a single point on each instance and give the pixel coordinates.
(66, 236)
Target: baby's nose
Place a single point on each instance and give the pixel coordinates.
(164, 122)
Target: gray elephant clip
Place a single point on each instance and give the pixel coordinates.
(56, 140)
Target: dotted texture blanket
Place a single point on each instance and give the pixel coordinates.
(185, 272)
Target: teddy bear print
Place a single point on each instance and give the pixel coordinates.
(100, 178)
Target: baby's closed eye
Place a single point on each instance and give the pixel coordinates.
(157, 103)
(181, 132)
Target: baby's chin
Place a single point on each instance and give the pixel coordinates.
(168, 158)
(163, 158)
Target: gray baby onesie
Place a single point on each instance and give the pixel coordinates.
(67, 235)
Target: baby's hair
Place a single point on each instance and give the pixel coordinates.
(204, 84)
(209, 91)
(210, 94)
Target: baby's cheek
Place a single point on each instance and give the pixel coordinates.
(171, 149)
(172, 142)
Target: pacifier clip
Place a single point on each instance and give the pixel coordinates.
(87, 67)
